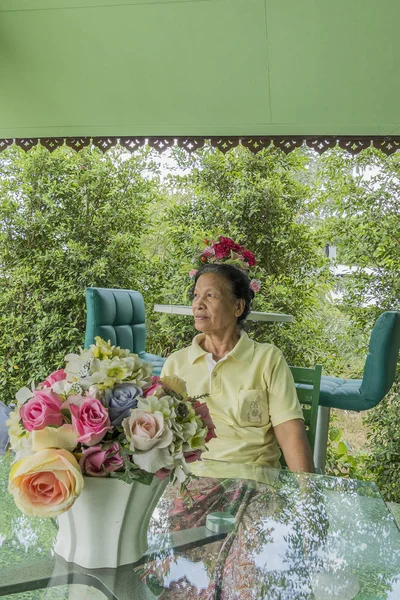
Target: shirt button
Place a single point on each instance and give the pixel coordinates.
(214, 374)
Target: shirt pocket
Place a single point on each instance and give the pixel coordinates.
(252, 408)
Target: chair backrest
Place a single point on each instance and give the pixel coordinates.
(116, 315)
(380, 366)
(307, 382)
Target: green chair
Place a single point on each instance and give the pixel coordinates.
(360, 394)
(379, 370)
(119, 316)
(307, 382)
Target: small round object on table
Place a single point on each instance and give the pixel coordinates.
(220, 522)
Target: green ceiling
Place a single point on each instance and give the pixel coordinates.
(199, 67)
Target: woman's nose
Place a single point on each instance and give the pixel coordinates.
(198, 302)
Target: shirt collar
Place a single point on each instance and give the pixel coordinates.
(243, 351)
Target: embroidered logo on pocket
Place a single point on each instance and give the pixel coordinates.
(252, 410)
(255, 412)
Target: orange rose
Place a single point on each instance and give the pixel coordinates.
(47, 483)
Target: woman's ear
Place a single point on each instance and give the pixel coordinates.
(240, 307)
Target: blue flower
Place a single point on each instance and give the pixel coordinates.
(120, 400)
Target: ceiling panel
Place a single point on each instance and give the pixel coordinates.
(334, 66)
(199, 68)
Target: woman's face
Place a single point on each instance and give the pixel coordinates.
(214, 307)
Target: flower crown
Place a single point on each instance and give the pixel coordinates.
(226, 251)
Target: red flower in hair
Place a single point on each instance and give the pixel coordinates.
(225, 249)
(222, 250)
(231, 244)
(249, 257)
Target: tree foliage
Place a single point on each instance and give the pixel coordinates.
(357, 201)
(256, 200)
(68, 220)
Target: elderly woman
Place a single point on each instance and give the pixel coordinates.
(252, 398)
(254, 406)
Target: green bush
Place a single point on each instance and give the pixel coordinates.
(379, 460)
(68, 220)
(257, 200)
(341, 460)
(382, 464)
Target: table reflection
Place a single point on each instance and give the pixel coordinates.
(294, 536)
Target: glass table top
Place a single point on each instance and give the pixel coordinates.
(269, 534)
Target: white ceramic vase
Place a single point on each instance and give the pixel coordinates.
(107, 525)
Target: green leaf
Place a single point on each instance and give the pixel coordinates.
(335, 433)
(342, 449)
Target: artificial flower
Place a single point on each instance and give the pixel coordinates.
(145, 430)
(42, 410)
(249, 257)
(154, 389)
(227, 251)
(107, 410)
(15, 428)
(100, 461)
(120, 399)
(231, 244)
(158, 403)
(175, 384)
(45, 484)
(59, 375)
(64, 437)
(90, 419)
(255, 285)
(202, 411)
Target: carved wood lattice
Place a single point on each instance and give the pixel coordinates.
(352, 144)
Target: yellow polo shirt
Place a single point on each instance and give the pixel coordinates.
(251, 390)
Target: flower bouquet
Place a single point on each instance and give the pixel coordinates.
(102, 416)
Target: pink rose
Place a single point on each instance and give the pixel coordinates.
(155, 385)
(255, 285)
(192, 456)
(149, 437)
(208, 252)
(145, 430)
(52, 378)
(162, 473)
(202, 411)
(98, 462)
(192, 272)
(90, 419)
(42, 410)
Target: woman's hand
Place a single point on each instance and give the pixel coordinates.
(292, 439)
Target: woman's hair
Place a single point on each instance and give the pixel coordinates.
(238, 280)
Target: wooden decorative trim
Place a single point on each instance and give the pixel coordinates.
(352, 144)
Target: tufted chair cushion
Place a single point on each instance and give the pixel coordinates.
(379, 370)
(119, 316)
